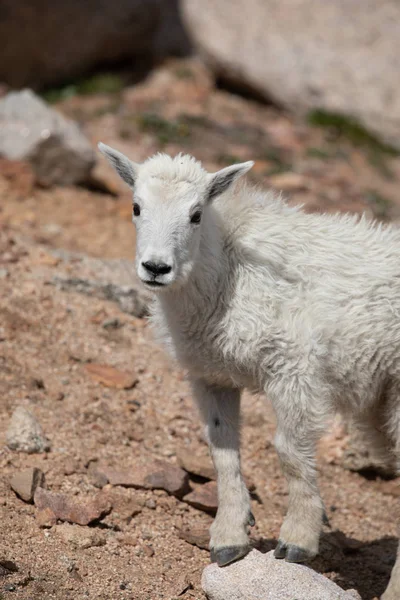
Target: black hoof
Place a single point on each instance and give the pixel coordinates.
(295, 554)
(292, 553)
(280, 550)
(251, 520)
(227, 555)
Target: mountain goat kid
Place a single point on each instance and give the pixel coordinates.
(252, 293)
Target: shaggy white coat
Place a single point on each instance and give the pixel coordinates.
(303, 307)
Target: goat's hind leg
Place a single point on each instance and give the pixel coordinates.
(299, 426)
(220, 409)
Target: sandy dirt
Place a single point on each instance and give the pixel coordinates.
(48, 335)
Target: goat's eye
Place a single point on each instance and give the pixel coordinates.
(196, 217)
(136, 209)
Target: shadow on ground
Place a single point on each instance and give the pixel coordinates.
(364, 566)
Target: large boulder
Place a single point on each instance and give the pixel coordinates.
(32, 131)
(45, 42)
(263, 577)
(337, 56)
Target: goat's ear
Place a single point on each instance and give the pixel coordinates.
(221, 180)
(125, 168)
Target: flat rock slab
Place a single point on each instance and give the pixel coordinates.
(196, 536)
(25, 483)
(55, 147)
(73, 510)
(153, 475)
(111, 377)
(262, 577)
(25, 434)
(113, 280)
(81, 537)
(204, 497)
(201, 466)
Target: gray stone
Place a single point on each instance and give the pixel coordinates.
(32, 131)
(25, 434)
(113, 280)
(338, 56)
(263, 577)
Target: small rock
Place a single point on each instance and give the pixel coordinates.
(204, 497)
(201, 466)
(7, 567)
(81, 537)
(124, 507)
(167, 477)
(196, 536)
(97, 478)
(151, 504)
(182, 585)
(154, 475)
(46, 518)
(71, 466)
(148, 551)
(196, 465)
(73, 510)
(55, 147)
(25, 483)
(262, 577)
(111, 377)
(25, 434)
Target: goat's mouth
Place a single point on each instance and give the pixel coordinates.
(153, 283)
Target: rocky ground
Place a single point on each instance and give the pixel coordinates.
(128, 492)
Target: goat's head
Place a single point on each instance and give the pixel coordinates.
(170, 200)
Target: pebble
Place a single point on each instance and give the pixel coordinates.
(25, 433)
(25, 483)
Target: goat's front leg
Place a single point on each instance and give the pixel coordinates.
(300, 422)
(220, 409)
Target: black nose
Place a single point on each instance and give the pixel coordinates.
(157, 268)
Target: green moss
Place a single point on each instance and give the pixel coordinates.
(318, 153)
(350, 129)
(58, 94)
(165, 131)
(105, 83)
(196, 120)
(184, 73)
(100, 83)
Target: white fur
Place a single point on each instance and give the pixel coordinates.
(305, 308)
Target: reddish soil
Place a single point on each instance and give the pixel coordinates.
(47, 336)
